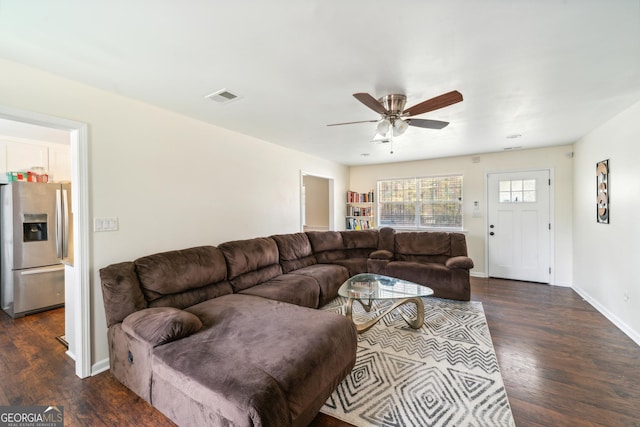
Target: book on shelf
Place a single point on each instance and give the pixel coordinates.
(358, 211)
(359, 224)
(353, 197)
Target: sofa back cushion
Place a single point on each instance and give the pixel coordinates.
(251, 262)
(386, 239)
(423, 246)
(294, 251)
(184, 277)
(458, 244)
(359, 243)
(121, 291)
(327, 246)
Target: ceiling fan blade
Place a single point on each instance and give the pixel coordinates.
(371, 102)
(350, 123)
(429, 124)
(434, 103)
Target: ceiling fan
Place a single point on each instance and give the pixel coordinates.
(397, 119)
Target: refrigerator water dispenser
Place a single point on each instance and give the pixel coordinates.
(34, 228)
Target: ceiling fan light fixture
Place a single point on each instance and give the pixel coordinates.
(399, 127)
(383, 126)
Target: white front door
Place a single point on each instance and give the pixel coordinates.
(519, 225)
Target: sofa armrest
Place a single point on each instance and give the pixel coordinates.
(378, 260)
(459, 263)
(382, 255)
(161, 325)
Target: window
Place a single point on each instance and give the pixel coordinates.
(428, 202)
(518, 191)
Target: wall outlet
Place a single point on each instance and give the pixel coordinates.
(105, 224)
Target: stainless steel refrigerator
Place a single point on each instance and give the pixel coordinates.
(36, 230)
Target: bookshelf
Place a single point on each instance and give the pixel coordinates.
(360, 212)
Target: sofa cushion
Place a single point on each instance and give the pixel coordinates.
(445, 282)
(422, 246)
(329, 278)
(258, 352)
(177, 271)
(458, 244)
(327, 246)
(161, 325)
(421, 243)
(193, 296)
(295, 251)
(386, 239)
(428, 274)
(381, 254)
(121, 291)
(291, 288)
(251, 261)
(360, 239)
(353, 265)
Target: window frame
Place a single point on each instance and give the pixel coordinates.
(418, 202)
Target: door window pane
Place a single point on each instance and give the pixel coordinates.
(517, 191)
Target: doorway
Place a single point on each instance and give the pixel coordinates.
(519, 226)
(316, 203)
(77, 299)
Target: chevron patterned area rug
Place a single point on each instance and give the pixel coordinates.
(443, 374)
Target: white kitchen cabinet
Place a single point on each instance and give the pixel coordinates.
(59, 163)
(19, 155)
(24, 157)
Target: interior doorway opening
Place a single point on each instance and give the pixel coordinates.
(316, 203)
(77, 298)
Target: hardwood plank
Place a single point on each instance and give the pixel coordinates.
(562, 362)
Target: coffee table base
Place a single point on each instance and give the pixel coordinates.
(362, 327)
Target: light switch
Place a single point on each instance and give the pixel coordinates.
(105, 224)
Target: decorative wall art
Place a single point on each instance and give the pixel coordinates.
(602, 192)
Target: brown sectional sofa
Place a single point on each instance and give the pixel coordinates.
(230, 335)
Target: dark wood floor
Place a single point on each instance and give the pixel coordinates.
(562, 362)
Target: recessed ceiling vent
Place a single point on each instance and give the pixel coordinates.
(222, 96)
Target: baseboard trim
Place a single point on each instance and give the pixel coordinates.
(100, 366)
(563, 284)
(479, 274)
(634, 335)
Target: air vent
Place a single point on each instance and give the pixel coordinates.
(222, 96)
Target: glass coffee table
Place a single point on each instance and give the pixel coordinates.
(367, 288)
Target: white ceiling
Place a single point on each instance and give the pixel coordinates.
(549, 70)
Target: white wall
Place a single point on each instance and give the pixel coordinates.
(607, 256)
(363, 178)
(172, 181)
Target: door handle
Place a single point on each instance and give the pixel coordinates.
(492, 233)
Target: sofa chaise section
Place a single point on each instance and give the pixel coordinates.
(255, 362)
(184, 337)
